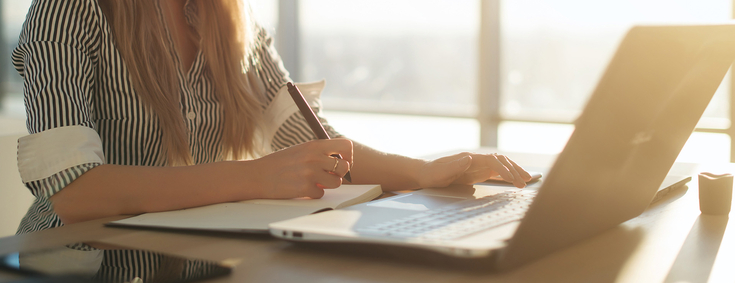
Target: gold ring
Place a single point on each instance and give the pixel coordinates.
(336, 162)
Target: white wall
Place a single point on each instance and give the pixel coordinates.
(14, 197)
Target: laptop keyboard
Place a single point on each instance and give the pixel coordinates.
(458, 219)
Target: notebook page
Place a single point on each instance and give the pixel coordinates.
(343, 196)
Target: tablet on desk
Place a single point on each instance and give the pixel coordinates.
(99, 262)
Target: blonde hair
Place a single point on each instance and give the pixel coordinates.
(224, 32)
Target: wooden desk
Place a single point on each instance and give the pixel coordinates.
(670, 242)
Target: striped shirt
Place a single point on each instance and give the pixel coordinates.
(82, 110)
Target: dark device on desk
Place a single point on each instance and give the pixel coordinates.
(108, 264)
(644, 108)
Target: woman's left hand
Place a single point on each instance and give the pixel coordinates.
(468, 168)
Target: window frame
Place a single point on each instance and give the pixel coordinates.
(489, 114)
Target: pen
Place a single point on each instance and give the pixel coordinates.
(311, 118)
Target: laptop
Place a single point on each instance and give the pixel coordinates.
(644, 108)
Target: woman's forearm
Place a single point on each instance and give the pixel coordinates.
(109, 190)
(393, 172)
(303, 170)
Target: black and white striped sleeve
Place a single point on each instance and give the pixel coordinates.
(56, 58)
(288, 126)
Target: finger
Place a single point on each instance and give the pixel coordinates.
(343, 147)
(342, 168)
(524, 174)
(489, 163)
(314, 191)
(338, 167)
(312, 181)
(494, 164)
(331, 164)
(328, 180)
(517, 179)
(308, 187)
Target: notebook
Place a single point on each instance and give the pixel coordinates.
(644, 108)
(251, 216)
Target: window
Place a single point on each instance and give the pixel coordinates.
(406, 57)
(395, 56)
(11, 85)
(553, 52)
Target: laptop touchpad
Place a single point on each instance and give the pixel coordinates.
(415, 202)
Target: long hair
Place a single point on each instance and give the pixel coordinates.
(224, 32)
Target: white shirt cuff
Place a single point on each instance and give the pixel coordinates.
(46, 153)
(283, 106)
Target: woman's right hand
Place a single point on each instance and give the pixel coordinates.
(304, 170)
(298, 171)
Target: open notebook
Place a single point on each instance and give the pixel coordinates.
(251, 216)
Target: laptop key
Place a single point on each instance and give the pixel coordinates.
(457, 220)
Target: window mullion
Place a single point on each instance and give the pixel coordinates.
(288, 37)
(488, 96)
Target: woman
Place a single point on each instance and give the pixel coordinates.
(139, 106)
